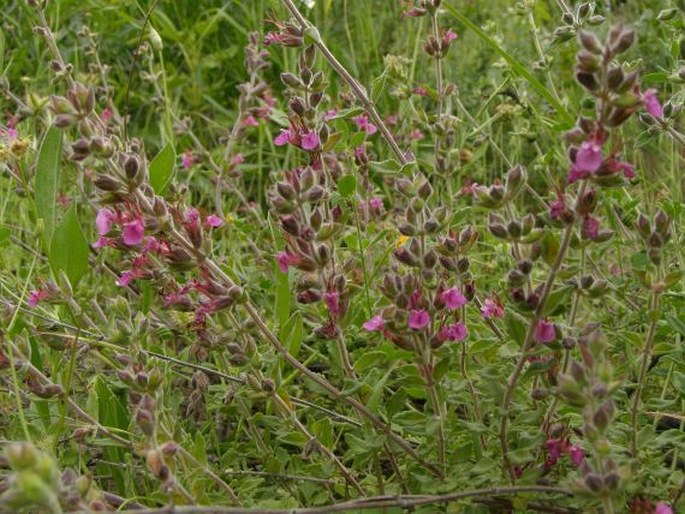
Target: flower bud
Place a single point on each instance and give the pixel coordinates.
(590, 42)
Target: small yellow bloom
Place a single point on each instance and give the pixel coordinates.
(401, 240)
(229, 218)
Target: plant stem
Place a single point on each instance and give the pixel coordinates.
(646, 357)
(528, 340)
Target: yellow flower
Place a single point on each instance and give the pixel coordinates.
(229, 218)
(401, 240)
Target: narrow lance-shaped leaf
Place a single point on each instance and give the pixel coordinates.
(162, 168)
(69, 248)
(47, 180)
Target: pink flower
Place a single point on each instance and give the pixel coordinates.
(332, 299)
(652, 103)
(492, 309)
(133, 232)
(556, 208)
(376, 203)
(416, 135)
(103, 242)
(590, 228)
(392, 120)
(577, 455)
(663, 508)
(589, 157)
(364, 124)
(187, 159)
(36, 296)
(285, 260)
(627, 169)
(310, 141)
(575, 174)
(454, 332)
(452, 298)
(250, 121)
(418, 319)
(106, 115)
(554, 447)
(103, 221)
(125, 278)
(374, 324)
(237, 159)
(419, 91)
(283, 138)
(213, 221)
(545, 331)
(330, 114)
(450, 35)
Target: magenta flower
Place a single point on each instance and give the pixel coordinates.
(213, 221)
(310, 141)
(106, 115)
(589, 157)
(492, 309)
(103, 242)
(187, 159)
(133, 232)
(283, 138)
(554, 447)
(250, 121)
(36, 296)
(330, 114)
(237, 159)
(374, 324)
(416, 135)
(332, 299)
(376, 203)
(652, 103)
(577, 455)
(627, 169)
(545, 331)
(590, 228)
(454, 332)
(364, 124)
(452, 298)
(419, 91)
(450, 35)
(285, 260)
(125, 278)
(103, 221)
(663, 508)
(418, 319)
(556, 208)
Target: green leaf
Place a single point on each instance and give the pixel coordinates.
(516, 66)
(282, 305)
(516, 326)
(47, 180)
(291, 334)
(69, 248)
(396, 402)
(162, 168)
(4, 235)
(347, 185)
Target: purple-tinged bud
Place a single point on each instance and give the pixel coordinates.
(146, 422)
(662, 223)
(623, 42)
(463, 264)
(655, 240)
(515, 278)
(64, 120)
(315, 194)
(290, 225)
(404, 186)
(406, 257)
(292, 80)
(615, 77)
(514, 228)
(297, 106)
(644, 227)
(107, 183)
(131, 167)
(587, 80)
(578, 372)
(590, 42)
(286, 190)
(594, 482)
(425, 190)
(430, 259)
(323, 255)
